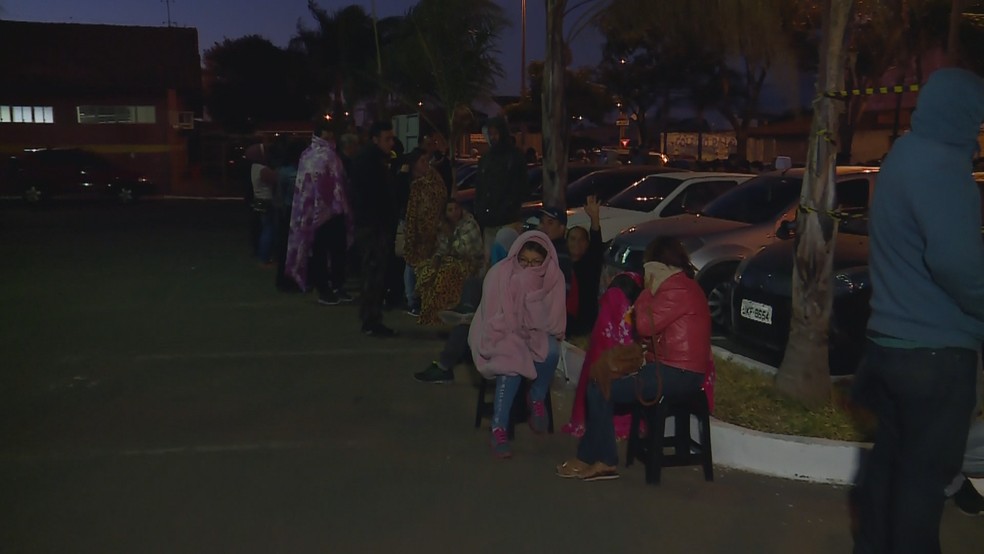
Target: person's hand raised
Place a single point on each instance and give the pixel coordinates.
(593, 208)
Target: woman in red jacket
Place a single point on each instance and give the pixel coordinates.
(672, 312)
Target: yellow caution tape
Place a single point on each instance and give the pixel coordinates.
(897, 89)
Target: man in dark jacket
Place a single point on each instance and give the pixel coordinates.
(374, 198)
(501, 184)
(927, 318)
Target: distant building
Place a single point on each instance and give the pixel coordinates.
(132, 94)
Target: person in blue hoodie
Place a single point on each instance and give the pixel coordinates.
(927, 318)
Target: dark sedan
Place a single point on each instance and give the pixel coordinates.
(762, 296)
(71, 173)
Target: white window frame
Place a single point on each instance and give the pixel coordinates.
(93, 114)
(26, 114)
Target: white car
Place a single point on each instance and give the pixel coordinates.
(656, 196)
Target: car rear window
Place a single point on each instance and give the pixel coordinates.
(646, 194)
(756, 201)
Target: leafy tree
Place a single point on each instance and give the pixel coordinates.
(457, 42)
(586, 97)
(248, 81)
(341, 56)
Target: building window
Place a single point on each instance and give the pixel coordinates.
(117, 114)
(27, 114)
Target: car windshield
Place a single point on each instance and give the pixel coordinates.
(645, 195)
(756, 201)
(604, 184)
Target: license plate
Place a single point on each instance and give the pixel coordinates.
(756, 311)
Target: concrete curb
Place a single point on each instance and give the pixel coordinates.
(791, 457)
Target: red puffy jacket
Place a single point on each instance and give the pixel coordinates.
(679, 321)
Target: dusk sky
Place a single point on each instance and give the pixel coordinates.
(277, 20)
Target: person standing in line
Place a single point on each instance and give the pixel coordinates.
(263, 180)
(376, 218)
(424, 216)
(501, 184)
(321, 220)
(927, 319)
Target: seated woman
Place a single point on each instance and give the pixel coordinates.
(613, 327)
(672, 312)
(459, 253)
(516, 328)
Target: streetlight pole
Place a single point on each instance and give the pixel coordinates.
(522, 66)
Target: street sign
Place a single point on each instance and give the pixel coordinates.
(622, 122)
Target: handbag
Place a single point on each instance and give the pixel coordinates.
(621, 361)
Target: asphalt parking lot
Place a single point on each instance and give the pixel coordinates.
(158, 395)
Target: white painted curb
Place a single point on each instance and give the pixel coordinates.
(787, 456)
(791, 457)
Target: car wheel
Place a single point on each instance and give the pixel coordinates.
(125, 195)
(33, 195)
(718, 286)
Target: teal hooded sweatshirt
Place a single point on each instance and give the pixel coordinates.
(927, 257)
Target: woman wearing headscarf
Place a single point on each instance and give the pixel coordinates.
(615, 326)
(516, 328)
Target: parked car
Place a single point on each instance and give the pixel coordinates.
(603, 183)
(762, 297)
(534, 177)
(737, 224)
(659, 195)
(72, 173)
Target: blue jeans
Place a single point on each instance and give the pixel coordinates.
(410, 286)
(506, 386)
(264, 246)
(598, 442)
(923, 399)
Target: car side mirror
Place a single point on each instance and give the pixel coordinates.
(786, 230)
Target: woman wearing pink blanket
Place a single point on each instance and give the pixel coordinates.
(613, 327)
(516, 328)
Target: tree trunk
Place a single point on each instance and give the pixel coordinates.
(805, 373)
(555, 136)
(953, 33)
(452, 150)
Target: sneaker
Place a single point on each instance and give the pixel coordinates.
(328, 299)
(378, 330)
(413, 311)
(500, 443)
(434, 374)
(343, 296)
(968, 500)
(538, 415)
(454, 317)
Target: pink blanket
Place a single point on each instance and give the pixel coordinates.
(520, 308)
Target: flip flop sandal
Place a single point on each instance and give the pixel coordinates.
(600, 472)
(572, 469)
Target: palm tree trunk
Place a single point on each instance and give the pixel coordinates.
(555, 124)
(804, 373)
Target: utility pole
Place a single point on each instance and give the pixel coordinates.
(168, 4)
(522, 65)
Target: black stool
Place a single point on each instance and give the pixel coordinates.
(519, 413)
(687, 452)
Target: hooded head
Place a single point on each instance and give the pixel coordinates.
(950, 108)
(539, 239)
(496, 131)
